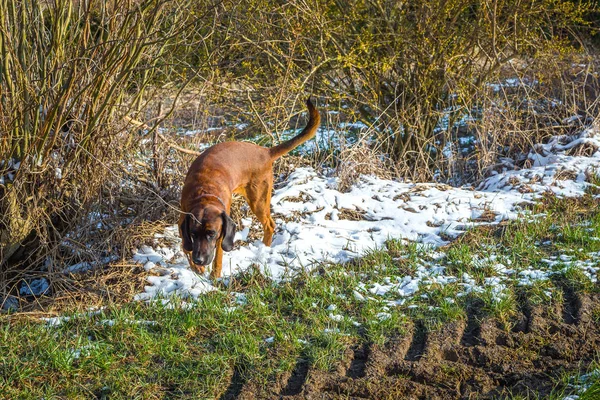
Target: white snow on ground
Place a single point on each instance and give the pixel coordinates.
(112, 322)
(588, 267)
(85, 266)
(582, 383)
(311, 225)
(56, 321)
(552, 169)
(35, 287)
(511, 83)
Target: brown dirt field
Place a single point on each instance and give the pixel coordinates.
(472, 359)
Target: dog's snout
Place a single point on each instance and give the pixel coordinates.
(200, 260)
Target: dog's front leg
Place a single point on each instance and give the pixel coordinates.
(218, 262)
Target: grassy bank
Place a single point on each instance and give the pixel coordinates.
(260, 334)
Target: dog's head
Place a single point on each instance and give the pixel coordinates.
(201, 231)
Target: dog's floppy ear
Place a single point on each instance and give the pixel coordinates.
(228, 232)
(184, 228)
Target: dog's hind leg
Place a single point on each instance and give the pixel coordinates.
(259, 200)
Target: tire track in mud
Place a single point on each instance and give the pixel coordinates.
(380, 357)
(571, 303)
(298, 378)
(235, 386)
(472, 358)
(417, 345)
(358, 365)
(472, 331)
(523, 319)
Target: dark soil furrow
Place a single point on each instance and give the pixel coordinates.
(523, 323)
(235, 386)
(359, 362)
(297, 379)
(571, 306)
(380, 357)
(417, 345)
(472, 331)
(440, 343)
(571, 303)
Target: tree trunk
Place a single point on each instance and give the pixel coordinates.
(16, 224)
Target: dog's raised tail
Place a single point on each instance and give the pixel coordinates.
(307, 133)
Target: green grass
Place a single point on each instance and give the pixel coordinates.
(191, 349)
(195, 347)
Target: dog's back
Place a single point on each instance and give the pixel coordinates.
(238, 163)
(232, 162)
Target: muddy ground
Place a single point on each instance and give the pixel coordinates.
(474, 359)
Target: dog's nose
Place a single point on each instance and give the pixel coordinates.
(200, 260)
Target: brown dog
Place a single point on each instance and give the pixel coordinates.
(205, 227)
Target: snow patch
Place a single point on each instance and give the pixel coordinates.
(307, 232)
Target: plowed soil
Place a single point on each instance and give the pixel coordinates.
(472, 359)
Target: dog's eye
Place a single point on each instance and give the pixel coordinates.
(211, 233)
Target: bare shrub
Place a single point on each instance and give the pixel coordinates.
(550, 95)
(362, 158)
(410, 70)
(70, 72)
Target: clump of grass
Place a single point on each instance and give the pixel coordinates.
(439, 306)
(543, 292)
(575, 279)
(362, 158)
(459, 258)
(501, 306)
(596, 315)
